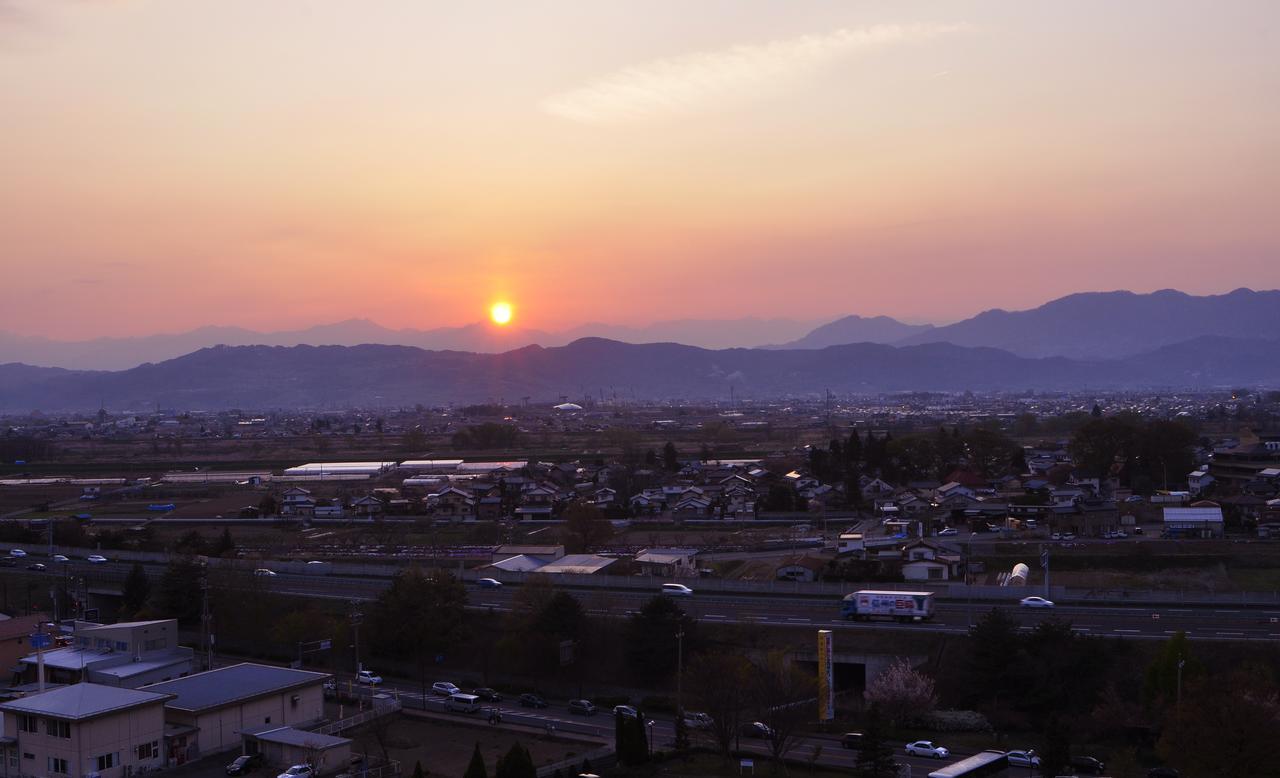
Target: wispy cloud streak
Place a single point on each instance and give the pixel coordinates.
(686, 83)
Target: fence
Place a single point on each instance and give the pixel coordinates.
(600, 757)
(351, 722)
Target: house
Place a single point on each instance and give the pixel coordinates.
(368, 506)
(452, 503)
(297, 502)
(926, 561)
(669, 562)
(949, 490)
(129, 655)
(208, 712)
(1201, 522)
(85, 729)
(805, 569)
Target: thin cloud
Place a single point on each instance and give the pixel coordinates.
(686, 83)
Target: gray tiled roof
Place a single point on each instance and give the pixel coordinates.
(83, 701)
(227, 685)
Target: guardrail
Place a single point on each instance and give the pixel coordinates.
(351, 722)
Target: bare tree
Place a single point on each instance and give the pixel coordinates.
(901, 691)
(787, 698)
(720, 685)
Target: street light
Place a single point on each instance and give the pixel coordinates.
(649, 723)
(1181, 662)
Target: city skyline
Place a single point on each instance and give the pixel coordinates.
(276, 167)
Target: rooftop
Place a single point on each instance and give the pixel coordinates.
(83, 701)
(296, 737)
(227, 685)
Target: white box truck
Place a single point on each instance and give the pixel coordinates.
(902, 606)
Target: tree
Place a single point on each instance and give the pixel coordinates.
(783, 694)
(1160, 686)
(136, 590)
(670, 457)
(191, 544)
(1226, 725)
(267, 506)
(419, 617)
(585, 527)
(516, 763)
(476, 769)
(651, 642)
(720, 685)
(226, 544)
(1056, 756)
(900, 691)
(418, 772)
(875, 755)
(179, 595)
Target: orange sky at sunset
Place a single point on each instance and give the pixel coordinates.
(166, 164)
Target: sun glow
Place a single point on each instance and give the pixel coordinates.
(500, 313)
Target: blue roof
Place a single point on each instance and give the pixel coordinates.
(228, 685)
(83, 701)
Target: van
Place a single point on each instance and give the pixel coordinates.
(676, 590)
(462, 703)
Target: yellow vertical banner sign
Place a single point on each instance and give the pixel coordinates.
(826, 685)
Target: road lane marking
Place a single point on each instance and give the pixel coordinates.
(1135, 631)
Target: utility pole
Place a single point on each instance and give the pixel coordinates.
(680, 673)
(206, 620)
(356, 617)
(1044, 562)
(1181, 662)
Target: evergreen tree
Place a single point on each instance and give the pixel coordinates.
(682, 733)
(1056, 756)
(516, 763)
(137, 589)
(640, 740)
(620, 734)
(875, 757)
(670, 457)
(226, 544)
(853, 449)
(476, 768)
(586, 766)
(418, 772)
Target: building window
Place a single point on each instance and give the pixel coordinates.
(935, 573)
(267, 720)
(28, 724)
(149, 750)
(58, 766)
(107, 761)
(55, 728)
(121, 645)
(156, 645)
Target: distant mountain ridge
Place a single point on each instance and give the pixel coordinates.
(121, 353)
(1111, 325)
(858, 329)
(263, 377)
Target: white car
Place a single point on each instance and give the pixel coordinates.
(676, 590)
(369, 677)
(625, 710)
(1023, 759)
(263, 572)
(298, 771)
(96, 559)
(445, 688)
(61, 558)
(17, 552)
(694, 720)
(1035, 602)
(927, 748)
(947, 532)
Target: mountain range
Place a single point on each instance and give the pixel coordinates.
(1088, 325)
(263, 377)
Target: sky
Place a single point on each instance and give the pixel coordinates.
(167, 164)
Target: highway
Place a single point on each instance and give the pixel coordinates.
(1120, 620)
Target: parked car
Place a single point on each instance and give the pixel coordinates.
(368, 677)
(947, 532)
(17, 552)
(96, 559)
(244, 764)
(928, 748)
(263, 572)
(582, 707)
(1088, 764)
(532, 701)
(298, 771)
(694, 720)
(851, 740)
(39, 568)
(676, 590)
(445, 688)
(61, 558)
(1026, 758)
(758, 729)
(625, 710)
(488, 583)
(1035, 602)
(487, 694)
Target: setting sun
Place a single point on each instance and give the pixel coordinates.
(500, 313)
